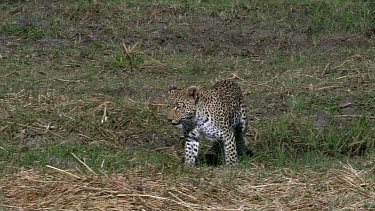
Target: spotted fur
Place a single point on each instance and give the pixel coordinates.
(216, 114)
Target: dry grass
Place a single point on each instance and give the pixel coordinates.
(339, 188)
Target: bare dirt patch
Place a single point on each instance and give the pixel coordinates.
(212, 36)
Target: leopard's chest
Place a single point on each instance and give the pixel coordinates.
(208, 128)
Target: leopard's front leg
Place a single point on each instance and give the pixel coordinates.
(191, 147)
(230, 150)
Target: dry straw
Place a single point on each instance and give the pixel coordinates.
(339, 188)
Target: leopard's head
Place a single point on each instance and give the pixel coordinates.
(182, 103)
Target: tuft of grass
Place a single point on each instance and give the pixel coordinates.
(129, 57)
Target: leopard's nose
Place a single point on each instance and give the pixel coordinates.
(171, 115)
(170, 120)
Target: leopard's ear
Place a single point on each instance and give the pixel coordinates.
(193, 91)
(172, 87)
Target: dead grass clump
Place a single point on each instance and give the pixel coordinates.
(219, 189)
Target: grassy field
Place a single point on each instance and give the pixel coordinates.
(83, 117)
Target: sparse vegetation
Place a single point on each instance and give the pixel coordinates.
(83, 121)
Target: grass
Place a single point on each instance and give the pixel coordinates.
(82, 88)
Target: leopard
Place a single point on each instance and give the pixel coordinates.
(217, 114)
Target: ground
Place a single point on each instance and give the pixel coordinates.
(82, 86)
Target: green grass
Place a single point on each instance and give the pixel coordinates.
(90, 71)
(68, 84)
